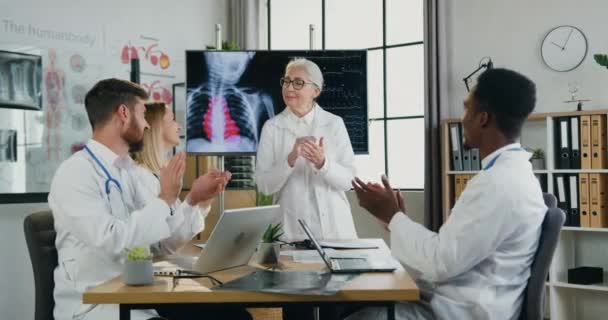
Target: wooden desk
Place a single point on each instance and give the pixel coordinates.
(368, 289)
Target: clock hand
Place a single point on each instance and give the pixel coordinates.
(568, 39)
(557, 45)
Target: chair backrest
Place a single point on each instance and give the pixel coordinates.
(534, 296)
(550, 200)
(40, 237)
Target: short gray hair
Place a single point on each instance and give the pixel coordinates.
(311, 68)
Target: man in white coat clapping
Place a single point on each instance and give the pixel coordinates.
(99, 208)
(477, 266)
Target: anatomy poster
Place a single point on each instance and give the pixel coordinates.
(159, 66)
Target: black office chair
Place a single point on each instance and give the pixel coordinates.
(534, 296)
(40, 237)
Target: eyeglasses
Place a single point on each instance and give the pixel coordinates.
(297, 84)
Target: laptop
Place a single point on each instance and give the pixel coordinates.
(235, 238)
(347, 265)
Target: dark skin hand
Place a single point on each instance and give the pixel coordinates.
(380, 200)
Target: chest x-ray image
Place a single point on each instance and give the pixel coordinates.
(224, 113)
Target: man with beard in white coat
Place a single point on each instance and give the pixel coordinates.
(101, 210)
(477, 266)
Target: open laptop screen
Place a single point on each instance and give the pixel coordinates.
(317, 246)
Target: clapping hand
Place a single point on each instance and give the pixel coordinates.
(209, 185)
(380, 200)
(171, 177)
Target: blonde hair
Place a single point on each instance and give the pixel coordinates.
(152, 156)
(311, 68)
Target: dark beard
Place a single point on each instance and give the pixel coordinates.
(136, 146)
(134, 138)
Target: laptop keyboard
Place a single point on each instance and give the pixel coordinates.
(349, 264)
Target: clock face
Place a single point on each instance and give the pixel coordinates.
(564, 48)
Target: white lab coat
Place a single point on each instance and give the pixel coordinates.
(93, 230)
(478, 265)
(316, 196)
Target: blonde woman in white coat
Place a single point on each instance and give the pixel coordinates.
(159, 139)
(305, 159)
(189, 216)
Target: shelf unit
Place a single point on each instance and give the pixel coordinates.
(577, 246)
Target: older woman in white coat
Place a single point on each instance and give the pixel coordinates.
(305, 159)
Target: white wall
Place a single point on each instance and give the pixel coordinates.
(186, 24)
(511, 33)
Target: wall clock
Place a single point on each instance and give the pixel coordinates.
(564, 48)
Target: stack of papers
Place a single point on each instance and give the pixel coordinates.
(312, 256)
(353, 244)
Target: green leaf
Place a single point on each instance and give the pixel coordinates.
(601, 59)
(272, 233)
(139, 253)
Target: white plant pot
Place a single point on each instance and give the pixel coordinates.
(538, 164)
(138, 273)
(268, 253)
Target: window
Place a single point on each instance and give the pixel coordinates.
(392, 31)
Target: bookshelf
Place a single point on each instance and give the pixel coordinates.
(578, 246)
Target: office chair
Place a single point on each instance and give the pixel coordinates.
(550, 200)
(40, 237)
(534, 295)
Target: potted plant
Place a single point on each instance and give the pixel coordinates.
(270, 247)
(262, 199)
(538, 159)
(138, 267)
(232, 45)
(601, 59)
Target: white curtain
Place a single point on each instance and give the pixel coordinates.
(248, 23)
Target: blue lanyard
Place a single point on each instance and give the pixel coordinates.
(493, 160)
(109, 179)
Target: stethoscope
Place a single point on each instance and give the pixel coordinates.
(493, 160)
(110, 180)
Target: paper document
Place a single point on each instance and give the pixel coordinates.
(312, 256)
(200, 245)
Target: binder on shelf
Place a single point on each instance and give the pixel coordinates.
(457, 186)
(562, 200)
(598, 142)
(542, 180)
(574, 212)
(466, 159)
(597, 196)
(475, 161)
(456, 146)
(562, 141)
(585, 136)
(466, 152)
(465, 181)
(575, 155)
(583, 195)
